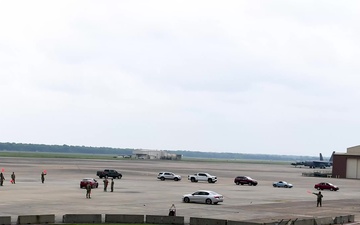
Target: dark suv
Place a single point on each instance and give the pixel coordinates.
(245, 180)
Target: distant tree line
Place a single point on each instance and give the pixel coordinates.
(63, 149)
(20, 147)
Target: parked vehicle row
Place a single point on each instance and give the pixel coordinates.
(202, 196)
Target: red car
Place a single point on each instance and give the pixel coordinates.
(326, 186)
(245, 180)
(92, 181)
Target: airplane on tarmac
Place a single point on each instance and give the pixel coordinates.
(316, 163)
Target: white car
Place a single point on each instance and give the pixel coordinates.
(203, 196)
(282, 184)
(168, 176)
(202, 177)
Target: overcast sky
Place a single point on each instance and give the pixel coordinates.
(269, 77)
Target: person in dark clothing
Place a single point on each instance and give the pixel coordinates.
(319, 199)
(13, 178)
(88, 190)
(172, 210)
(2, 178)
(42, 177)
(112, 185)
(106, 182)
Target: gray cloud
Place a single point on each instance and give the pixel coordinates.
(261, 77)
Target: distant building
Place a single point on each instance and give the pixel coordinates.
(155, 154)
(347, 165)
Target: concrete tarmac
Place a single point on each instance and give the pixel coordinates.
(139, 191)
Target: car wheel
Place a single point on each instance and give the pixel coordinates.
(274, 185)
(237, 182)
(285, 186)
(208, 201)
(192, 179)
(119, 177)
(106, 177)
(319, 188)
(176, 179)
(250, 184)
(162, 178)
(331, 189)
(186, 200)
(209, 180)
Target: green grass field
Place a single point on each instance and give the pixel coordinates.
(112, 157)
(54, 155)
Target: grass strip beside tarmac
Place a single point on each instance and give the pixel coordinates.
(112, 157)
(54, 155)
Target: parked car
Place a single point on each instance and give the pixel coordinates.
(282, 184)
(92, 181)
(202, 177)
(109, 173)
(168, 176)
(245, 180)
(203, 196)
(326, 186)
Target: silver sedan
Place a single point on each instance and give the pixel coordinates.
(203, 196)
(282, 184)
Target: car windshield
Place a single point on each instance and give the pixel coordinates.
(213, 193)
(330, 184)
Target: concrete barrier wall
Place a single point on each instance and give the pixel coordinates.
(206, 221)
(344, 219)
(36, 219)
(124, 218)
(82, 218)
(156, 219)
(5, 220)
(303, 221)
(324, 221)
(232, 222)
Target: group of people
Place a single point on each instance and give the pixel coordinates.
(2, 178)
(106, 183)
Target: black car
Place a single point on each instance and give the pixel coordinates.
(245, 180)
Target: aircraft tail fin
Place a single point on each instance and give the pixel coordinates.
(321, 157)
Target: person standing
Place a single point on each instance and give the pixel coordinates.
(42, 177)
(172, 210)
(13, 178)
(88, 190)
(319, 199)
(2, 178)
(106, 182)
(112, 185)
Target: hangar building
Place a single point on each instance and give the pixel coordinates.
(347, 165)
(155, 154)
